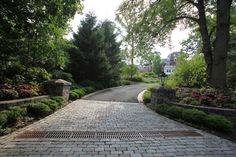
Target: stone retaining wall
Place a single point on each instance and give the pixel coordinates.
(221, 111)
(19, 102)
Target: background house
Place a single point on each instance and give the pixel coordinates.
(169, 64)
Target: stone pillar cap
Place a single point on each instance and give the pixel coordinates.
(58, 81)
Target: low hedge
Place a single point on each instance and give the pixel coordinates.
(194, 116)
(147, 97)
(38, 110)
(52, 104)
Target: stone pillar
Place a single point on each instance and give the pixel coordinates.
(57, 87)
(161, 95)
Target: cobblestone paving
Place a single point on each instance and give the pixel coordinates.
(83, 115)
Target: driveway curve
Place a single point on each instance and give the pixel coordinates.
(119, 94)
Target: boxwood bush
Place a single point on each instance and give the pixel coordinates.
(194, 116)
(38, 110)
(218, 122)
(13, 113)
(52, 104)
(58, 99)
(175, 112)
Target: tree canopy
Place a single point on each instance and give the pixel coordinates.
(155, 21)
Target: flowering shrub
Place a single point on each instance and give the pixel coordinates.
(8, 91)
(207, 97)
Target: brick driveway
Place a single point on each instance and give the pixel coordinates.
(88, 115)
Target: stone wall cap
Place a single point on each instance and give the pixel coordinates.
(58, 81)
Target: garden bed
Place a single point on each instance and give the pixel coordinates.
(214, 110)
(212, 123)
(17, 117)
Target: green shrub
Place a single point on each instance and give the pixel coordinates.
(38, 110)
(136, 79)
(87, 83)
(89, 89)
(74, 95)
(162, 109)
(147, 97)
(80, 92)
(188, 73)
(218, 122)
(52, 104)
(58, 99)
(195, 102)
(8, 94)
(13, 114)
(3, 120)
(194, 116)
(125, 82)
(187, 100)
(149, 75)
(37, 74)
(175, 112)
(63, 75)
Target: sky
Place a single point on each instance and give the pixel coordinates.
(106, 9)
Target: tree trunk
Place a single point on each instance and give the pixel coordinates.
(221, 44)
(132, 49)
(206, 46)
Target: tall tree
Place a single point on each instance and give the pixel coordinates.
(95, 53)
(159, 18)
(112, 49)
(32, 31)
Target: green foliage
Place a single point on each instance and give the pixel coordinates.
(194, 116)
(136, 79)
(74, 95)
(162, 109)
(3, 120)
(89, 89)
(125, 82)
(218, 122)
(63, 75)
(58, 99)
(95, 48)
(13, 113)
(147, 97)
(37, 74)
(187, 100)
(32, 32)
(77, 93)
(38, 110)
(175, 112)
(8, 94)
(52, 104)
(129, 71)
(189, 73)
(148, 75)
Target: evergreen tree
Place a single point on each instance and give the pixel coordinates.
(112, 50)
(88, 59)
